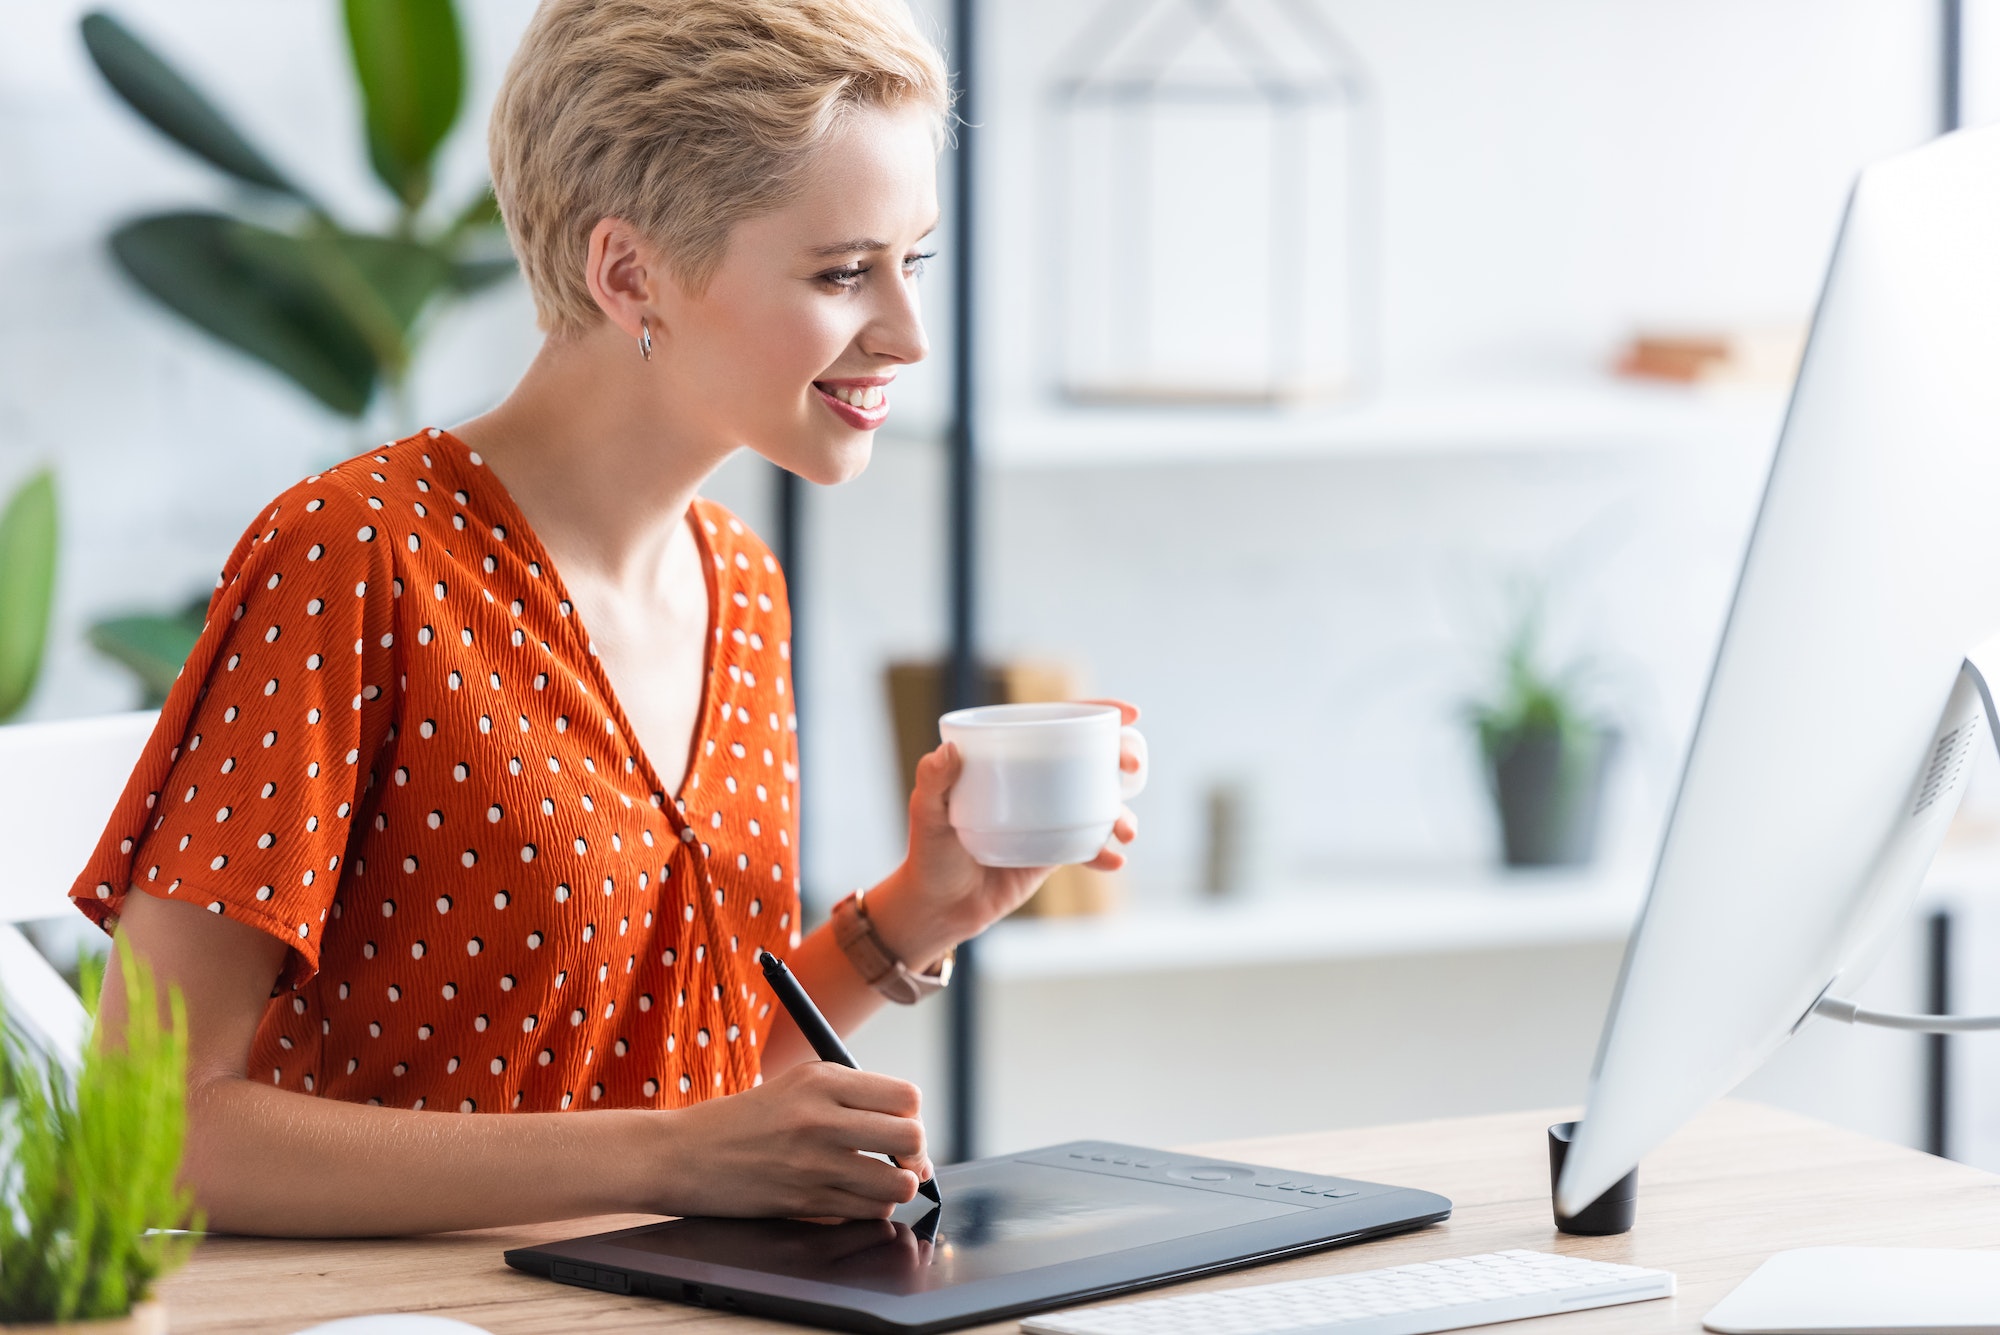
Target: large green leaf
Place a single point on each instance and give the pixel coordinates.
(27, 587)
(399, 276)
(379, 284)
(481, 214)
(412, 71)
(258, 290)
(153, 647)
(174, 106)
(477, 243)
(405, 274)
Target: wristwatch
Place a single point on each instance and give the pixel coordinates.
(878, 966)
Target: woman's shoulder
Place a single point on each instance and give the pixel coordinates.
(735, 544)
(335, 502)
(341, 515)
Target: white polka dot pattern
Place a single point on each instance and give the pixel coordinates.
(394, 749)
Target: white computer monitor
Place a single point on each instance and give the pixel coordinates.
(1831, 748)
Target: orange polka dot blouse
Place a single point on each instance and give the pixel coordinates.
(394, 749)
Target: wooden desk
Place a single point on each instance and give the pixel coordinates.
(1736, 1185)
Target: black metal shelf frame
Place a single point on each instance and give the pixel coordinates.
(1937, 954)
(961, 498)
(962, 509)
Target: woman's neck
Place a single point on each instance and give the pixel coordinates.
(586, 449)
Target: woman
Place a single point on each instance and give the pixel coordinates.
(413, 841)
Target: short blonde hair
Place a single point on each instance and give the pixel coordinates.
(681, 117)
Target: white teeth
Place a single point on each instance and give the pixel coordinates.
(865, 397)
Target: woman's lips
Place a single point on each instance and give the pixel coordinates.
(861, 419)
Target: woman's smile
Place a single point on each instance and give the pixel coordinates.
(861, 402)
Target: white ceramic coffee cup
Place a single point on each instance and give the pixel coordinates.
(1039, 784)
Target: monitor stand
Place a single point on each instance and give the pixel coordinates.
(1851, 1290)
(1969, 709)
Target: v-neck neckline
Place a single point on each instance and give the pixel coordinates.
(581, 640)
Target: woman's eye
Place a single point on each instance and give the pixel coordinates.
(850, 275)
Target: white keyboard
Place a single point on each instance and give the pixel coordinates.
(1401, 1300)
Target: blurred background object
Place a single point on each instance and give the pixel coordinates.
(1175, 125)
(338, 310)
(334, 308)
(1754, 356)
(1546, 750)
(1238, 861)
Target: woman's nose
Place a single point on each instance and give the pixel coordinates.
(897, 333)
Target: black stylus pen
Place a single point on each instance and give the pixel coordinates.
(818, 1032)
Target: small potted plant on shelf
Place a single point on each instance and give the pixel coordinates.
(90, 1200)
(1545, 752)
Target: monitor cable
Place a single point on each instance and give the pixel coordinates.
(1833, 1008)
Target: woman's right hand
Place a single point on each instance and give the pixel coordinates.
(796, 1147)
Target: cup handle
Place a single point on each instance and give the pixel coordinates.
(1131, 785)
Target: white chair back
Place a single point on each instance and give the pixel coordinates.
(58, 784)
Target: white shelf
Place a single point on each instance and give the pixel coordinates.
(1383, 917)
(1342, 920)
(1538, 417)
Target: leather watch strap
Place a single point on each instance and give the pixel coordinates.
(878, 966)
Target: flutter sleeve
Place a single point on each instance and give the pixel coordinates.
(248, 793)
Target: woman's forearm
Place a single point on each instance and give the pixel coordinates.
(267, 1161)
(833, 982)
(835, 986)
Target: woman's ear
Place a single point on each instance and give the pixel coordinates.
(625, 275)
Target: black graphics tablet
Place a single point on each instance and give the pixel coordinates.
(1017, 1234)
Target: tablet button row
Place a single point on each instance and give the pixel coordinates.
(1304, 1189)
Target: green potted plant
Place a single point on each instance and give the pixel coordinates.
(1544, 749)
(90, 1196)
(27, 587)
(338, 309)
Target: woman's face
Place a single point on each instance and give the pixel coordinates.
(791, 349)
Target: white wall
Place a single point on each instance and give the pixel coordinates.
(1553, 170)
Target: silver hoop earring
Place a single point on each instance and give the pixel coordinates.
(645, 340)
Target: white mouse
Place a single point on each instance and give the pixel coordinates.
(395, 1323)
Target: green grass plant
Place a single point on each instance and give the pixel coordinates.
(90, 1196)
(1529, 699)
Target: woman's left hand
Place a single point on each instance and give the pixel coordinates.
(940, 896)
